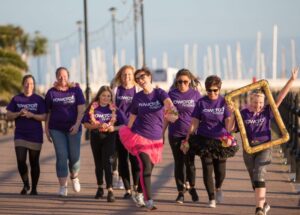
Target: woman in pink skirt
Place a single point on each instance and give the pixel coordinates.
(143, 136)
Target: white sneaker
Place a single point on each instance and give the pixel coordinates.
(219, 196)
(76, 185)
(63, 191)
(212, 204)
(120, 184)
(150, 205)
(115, 179)
(139, 200)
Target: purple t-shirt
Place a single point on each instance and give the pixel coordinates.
(149, 111)
(63, 107)
(124, 99)
(258, 125)
(212, 115)
(185, 104)
(103, 115)
(28, 129)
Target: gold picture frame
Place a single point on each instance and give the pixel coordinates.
(263, 84)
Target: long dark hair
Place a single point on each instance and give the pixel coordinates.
(195, 82)
(25, 77)
(100, 91)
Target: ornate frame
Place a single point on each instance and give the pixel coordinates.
(265, 86)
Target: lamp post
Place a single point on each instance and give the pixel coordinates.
(79, 25)
(113, 20)
(135, 17)
(143, 32)
(88, 90)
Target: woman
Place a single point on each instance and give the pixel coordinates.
(28, 111)
(123, 95)
(143, 136)
(184, 96)
(257, 120)
(65, 107)
(103, 119)
(210, 122)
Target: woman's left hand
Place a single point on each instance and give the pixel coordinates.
(74, 129)
(111, 128)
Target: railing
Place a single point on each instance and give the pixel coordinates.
(290, 112)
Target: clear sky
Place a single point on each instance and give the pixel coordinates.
(169, 24)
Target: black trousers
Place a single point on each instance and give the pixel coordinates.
(103, 147)
(34, 157)
(123, 167)
(182, 164)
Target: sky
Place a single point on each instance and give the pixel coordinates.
(169, 25)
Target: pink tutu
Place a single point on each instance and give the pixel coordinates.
(135, 144)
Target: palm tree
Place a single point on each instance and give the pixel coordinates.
(39, 48)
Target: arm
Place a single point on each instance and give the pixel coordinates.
(193, 127)
(90, 126)
(131, 120)
(287, 86)
(12, 115)
(28, 114)
(168, 103)
(80, 113)
(47, 127)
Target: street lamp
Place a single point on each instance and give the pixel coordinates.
(88, 90)
(79, 25)
(113, 20)
(135, 17)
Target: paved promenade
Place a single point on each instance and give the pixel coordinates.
(239, 198)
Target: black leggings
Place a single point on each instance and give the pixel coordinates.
(34, 157)
(103, 147)
(124, 165)
(146, 167)
(209, 165)
(182, 163)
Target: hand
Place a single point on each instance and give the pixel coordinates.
(26, 113)
(111, 128)
(294, 73)
(74, 129)
(48, 135)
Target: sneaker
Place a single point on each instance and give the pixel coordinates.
(99, 193)
(76, 185)
(212, 203)
(194, 194)
(25, 189)
(63, 191)
(219, 196)
(127, 195)
(139, 200)
(259, 211)
(266, 208)
(150, 205)
(33, 192)
(120, 184)
(110, 196)
(180, 198)
(115, 179)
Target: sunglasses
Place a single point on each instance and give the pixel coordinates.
(182, 82)
(212, 90)
(141, 77)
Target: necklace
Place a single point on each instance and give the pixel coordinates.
(112, 121)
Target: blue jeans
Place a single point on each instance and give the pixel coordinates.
(67, 150)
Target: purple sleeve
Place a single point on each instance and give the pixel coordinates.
(162, 94)
(134, 106)
(48, 101)
(79, 96)
(226, 112)
(196, 111)
(86, 117)
(42, 106)
(12, 106)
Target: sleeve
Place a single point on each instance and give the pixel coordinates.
(12, 106)
(134, 106)
(42, 106)
(79, 96)
(162, 94)
(48, 101)
(197, 111)
(227, 113)
(86, 116)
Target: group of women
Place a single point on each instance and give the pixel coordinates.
(132, 121)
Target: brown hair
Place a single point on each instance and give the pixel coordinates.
(213, 80)
(117, 81)
(61, 68)
(143, 69)
(26, 77)
(195, 83)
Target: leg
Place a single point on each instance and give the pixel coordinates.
(220, 172)
(34, 158)
(21, 154)
(123, 163)
(207, 168)
(74, 153)
(135, 170)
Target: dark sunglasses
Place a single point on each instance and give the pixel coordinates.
(141, 77)
(212, 90)
(182, 82)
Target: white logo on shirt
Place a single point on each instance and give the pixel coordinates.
(31, 107)
(128, 99)
(216, 111)
(255, 121)
(65, 100)
(185, 103)
(103, 117)
(151, 105)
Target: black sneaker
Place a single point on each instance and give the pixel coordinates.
(127, 195)
(99, 193)
(194, 194)
(33, 192)
(180, 198)
(259, 211)
(25, 189)
(110, 196)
